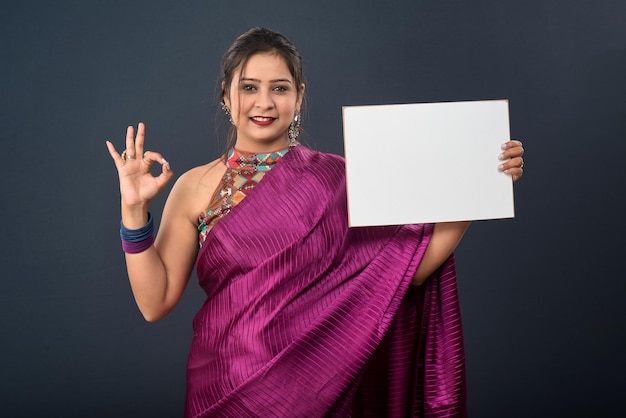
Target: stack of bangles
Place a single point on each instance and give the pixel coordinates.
(137, 240)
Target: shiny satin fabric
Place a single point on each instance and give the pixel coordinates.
(306, 317)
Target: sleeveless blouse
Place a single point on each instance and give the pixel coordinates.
(244, 170)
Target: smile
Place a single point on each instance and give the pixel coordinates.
(262, 120)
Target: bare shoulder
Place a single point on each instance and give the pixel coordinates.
(194, 189)
(207, 175)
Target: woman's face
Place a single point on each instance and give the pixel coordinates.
(262, 101)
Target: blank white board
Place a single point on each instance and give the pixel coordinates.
(426, 162)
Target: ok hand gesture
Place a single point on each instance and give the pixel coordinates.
(137, 185)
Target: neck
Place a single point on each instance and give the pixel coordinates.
(261, 147)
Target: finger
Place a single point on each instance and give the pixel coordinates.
(130, 143)
(166, 171)
(165, 175)
(516, 162)
(516, 151)
(515, 173)
(117, 158)
(146, 158)
(511, 144)
(141, 136)
(513, 167)
(150, 157)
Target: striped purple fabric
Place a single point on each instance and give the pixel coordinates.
(306, 317)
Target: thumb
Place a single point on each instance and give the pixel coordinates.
(166, 173)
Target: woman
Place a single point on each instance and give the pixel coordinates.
(304, 316)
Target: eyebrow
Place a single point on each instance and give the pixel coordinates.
(278, 80)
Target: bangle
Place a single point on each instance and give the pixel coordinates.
(137, 240)
(137, 247)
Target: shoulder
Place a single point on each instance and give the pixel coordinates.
(322, 171)
(202, 176)
(316, 161)
(194, 189)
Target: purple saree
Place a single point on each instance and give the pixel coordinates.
(306, 317)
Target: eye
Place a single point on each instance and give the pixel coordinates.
(281, 89)
(248, 87)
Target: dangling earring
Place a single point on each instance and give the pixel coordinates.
(294, 128)
(227, 111)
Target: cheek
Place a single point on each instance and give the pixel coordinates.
(241, 102)
(289, 106)
(237, 106)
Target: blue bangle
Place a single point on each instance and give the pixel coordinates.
(137, 235)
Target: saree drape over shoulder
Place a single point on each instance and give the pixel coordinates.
(306, 317)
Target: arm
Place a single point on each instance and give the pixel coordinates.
(159, 274)
(447, 235)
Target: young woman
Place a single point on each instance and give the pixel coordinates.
(304, 316)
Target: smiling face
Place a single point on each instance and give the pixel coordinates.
(262, 99)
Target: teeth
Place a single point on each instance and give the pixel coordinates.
(262, 119)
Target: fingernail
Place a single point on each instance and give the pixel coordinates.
(501, 167)
(503, 146)
(501, 156)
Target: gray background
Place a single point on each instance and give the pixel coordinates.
(542, 295)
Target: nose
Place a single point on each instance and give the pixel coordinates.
(264, 99)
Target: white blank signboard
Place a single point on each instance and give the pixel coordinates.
(426, 162)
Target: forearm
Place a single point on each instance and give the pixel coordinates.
(148, 280)
(147, 271)
(446, 236)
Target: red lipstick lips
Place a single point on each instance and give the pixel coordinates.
(262, 120)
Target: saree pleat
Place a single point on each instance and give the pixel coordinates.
(306, 317)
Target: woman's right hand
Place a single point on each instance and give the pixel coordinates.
(137, 185)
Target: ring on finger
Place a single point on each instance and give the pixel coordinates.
(126, 156)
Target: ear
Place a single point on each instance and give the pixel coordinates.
(300, 96)
(225, 97)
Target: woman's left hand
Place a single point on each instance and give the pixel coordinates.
(512, 159)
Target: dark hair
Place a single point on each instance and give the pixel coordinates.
(252, 42)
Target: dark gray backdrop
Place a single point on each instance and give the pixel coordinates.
(542, 295)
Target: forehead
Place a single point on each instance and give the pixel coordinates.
(265, 66)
